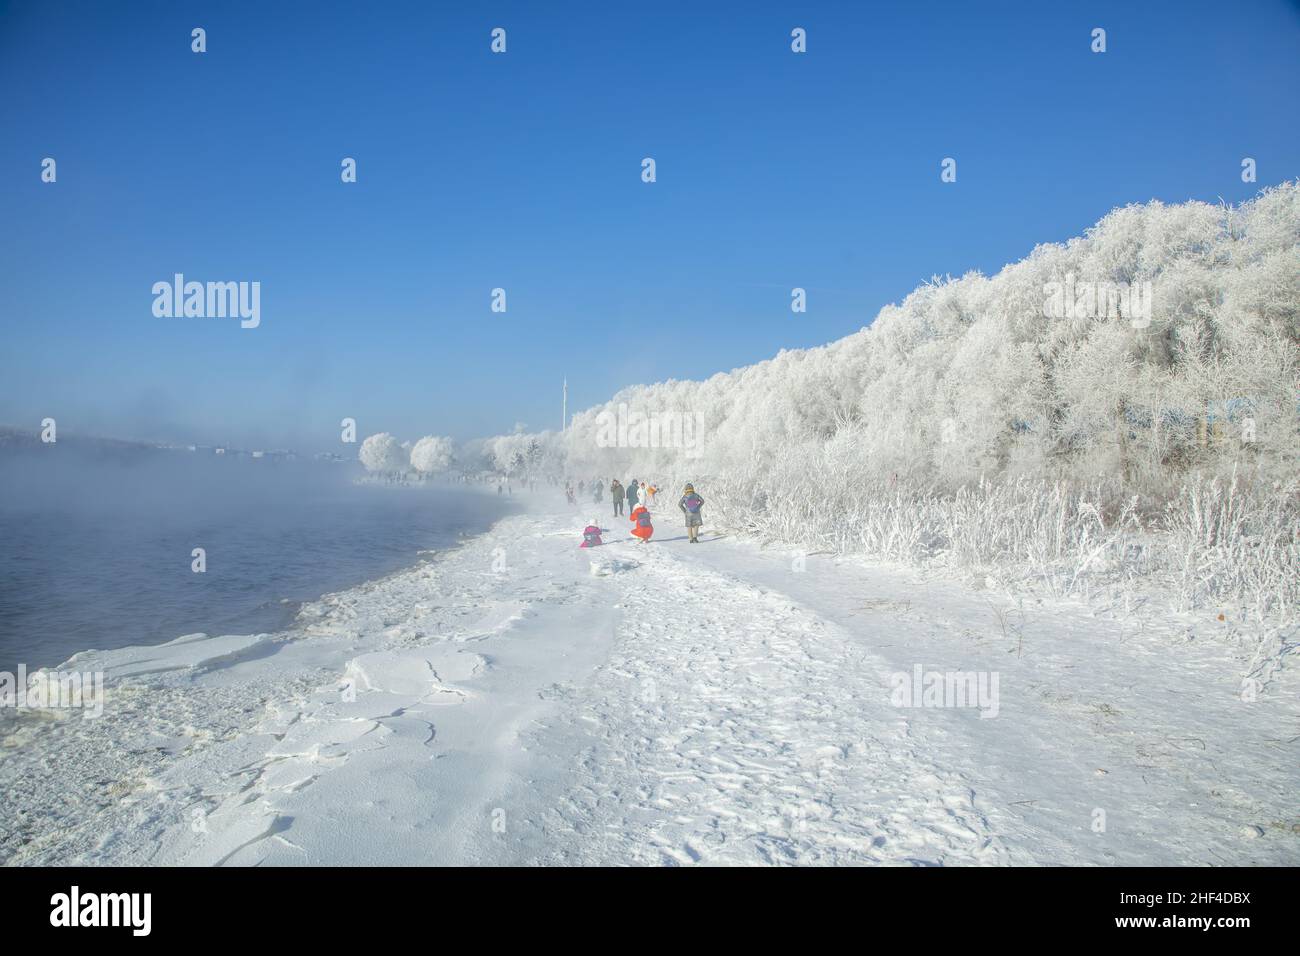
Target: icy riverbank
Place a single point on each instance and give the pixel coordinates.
(519, 700)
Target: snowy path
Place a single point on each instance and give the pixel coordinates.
(708, 704)
(731, 725)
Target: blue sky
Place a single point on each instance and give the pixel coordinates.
(522, 171)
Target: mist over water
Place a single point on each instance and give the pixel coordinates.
(95, 547)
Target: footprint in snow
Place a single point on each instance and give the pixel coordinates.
(604, 567)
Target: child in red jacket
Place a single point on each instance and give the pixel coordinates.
(641, 526)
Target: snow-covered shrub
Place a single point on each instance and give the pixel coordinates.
(432, 454)
(383, 454)
(967, 424)
(1231, 545)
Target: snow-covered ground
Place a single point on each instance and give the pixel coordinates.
(521, 700)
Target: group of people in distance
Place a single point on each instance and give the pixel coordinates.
(636, 493)
(639, 497)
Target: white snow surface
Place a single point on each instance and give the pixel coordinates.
(519, 700)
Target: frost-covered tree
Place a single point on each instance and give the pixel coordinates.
(1178, 349)
(383, 454)
(432, 454)
(1156, 352)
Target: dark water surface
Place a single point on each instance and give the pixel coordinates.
(95, 551)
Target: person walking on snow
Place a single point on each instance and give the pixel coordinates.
(631, 496)
(691, 505)
(616, 496)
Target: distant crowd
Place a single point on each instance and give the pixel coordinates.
(640, 497)
(634, 499)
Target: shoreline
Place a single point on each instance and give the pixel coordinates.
(656, 705)
(148, 689)
(284, 600)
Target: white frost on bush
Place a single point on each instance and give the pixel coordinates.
(526, 455)
(383, 454)
(432, 454)
(969, 422)
(969, 377)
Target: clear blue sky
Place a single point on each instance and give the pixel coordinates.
(523, 171)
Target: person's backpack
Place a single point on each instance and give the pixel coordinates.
(643, 520)
(693, 503)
